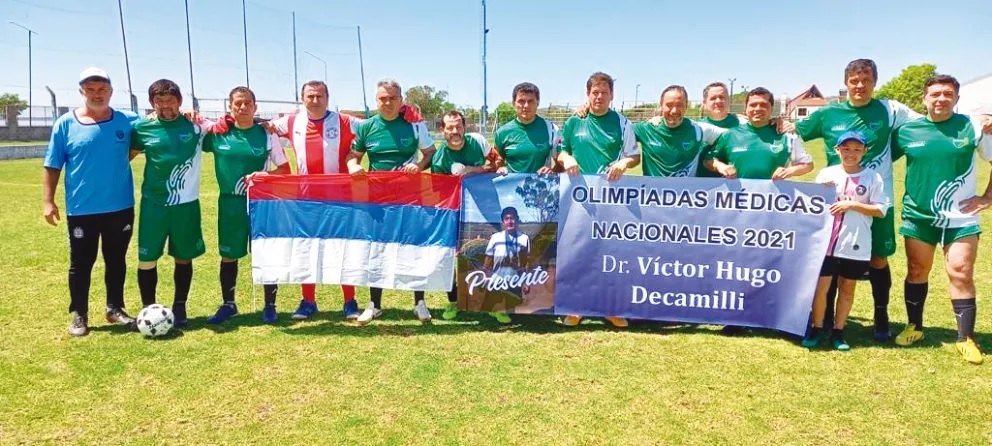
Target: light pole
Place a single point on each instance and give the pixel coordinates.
(637, 91)
(361, 64)
(127, 62)
(244, 26)
(189, 52)
(484, 116)
(321, 61)
(730, 97)
(30, 101)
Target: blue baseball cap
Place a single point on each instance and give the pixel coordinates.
(855, 135)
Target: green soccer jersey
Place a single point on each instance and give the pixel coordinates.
(728, 122)
(674, 152)
(941, 169)
(473, 153)
(598, 141)
(757, 152)
(173, 150)
(875, 120)
(240, 152)
(527, 147)
(391, 144)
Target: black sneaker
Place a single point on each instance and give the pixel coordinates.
(118, 316)
(79, 325)
(179, 311)
(882, 332)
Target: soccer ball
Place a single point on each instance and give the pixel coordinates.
(457, 168)
(155, 320)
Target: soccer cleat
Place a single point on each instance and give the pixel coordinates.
(840, 343)
(371, 312)
(502, 318)
(618, 322)
(118, 316)
(909, 336)
(421, 311)
(79, 325)
(882, 332)
(883, 336)
(812, 339)
(571, 320)
(969, 351)
(179, 311)
(351, 310)
(269, 315)
(225, 312)
(450, 311)
(306, 310)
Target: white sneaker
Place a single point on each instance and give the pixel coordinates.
(371, 312)
(422, 312)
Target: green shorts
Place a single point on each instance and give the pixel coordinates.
(179, 224)
(883, 235)
(932, 235)
(233, 229)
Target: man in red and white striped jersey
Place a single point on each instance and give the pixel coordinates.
(322, 139)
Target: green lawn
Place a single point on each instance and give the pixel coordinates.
(465, 382)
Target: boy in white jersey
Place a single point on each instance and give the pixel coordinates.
(860, 199)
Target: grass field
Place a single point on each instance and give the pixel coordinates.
(466, 382)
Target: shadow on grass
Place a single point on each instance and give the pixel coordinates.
(401, 322)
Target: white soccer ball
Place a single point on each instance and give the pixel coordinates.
(457, 168)
(155, 320)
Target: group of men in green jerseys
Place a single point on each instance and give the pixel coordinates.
(939, 206)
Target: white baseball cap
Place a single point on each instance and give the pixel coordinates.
(93, 73)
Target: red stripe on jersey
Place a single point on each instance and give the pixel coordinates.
(347, 137)
(315, 146)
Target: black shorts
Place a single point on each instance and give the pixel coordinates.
(846, 268)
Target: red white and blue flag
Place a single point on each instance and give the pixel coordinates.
(386, 230)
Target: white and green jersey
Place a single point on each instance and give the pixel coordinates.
(756, 152)
(173, 150)
(674, 152)
(875, 120)
(527, 147)
(598, 141)
(473, 153)
(941, 168)
(241, 152)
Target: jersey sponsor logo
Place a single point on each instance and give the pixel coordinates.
(371, 145)
(152, 141)
(916, 144)
(223, 147)
(739, 149)
(331, 132)
(838, 128)
(185, 137)
(960, 143)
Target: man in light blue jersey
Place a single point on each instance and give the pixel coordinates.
(91, 143)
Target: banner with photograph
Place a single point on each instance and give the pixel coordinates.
(697, 250)
(742, 252)
(507, 243)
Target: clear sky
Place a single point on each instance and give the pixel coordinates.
(784, 45)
